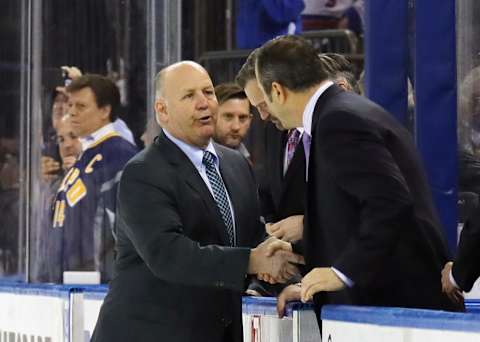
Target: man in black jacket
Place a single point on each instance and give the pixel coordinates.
(371, 234)
(282, 182)
(188, 222)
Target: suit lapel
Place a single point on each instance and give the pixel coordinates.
(296, 164)
(195, 181)
(188, 172)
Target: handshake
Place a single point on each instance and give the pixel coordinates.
(274, 262)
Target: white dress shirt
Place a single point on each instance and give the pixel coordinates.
(195, 154)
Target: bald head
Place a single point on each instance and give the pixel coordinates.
(160, 79)
(185, 102)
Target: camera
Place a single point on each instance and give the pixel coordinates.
(66, 79)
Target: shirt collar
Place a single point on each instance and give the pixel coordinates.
(93, 138)
(194, 153)
(310, 107)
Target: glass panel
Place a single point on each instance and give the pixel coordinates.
(72, 222)
(12, 240)
(468, 112)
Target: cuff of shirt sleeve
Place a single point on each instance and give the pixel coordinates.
(347, 281)
(452, 280)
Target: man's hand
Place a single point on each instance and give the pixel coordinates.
(72, 71)
(454, 293)
(289, 294)
(320, 279)
(68, 162)
(49, 168)
(274, 266)
(289, 229)
(275, 245)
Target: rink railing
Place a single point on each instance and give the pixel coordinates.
(54, 313)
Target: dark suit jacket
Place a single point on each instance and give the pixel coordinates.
(369, 211)
(281, 195)
(466, 268)
(176, 280)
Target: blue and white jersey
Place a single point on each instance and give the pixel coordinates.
(85, 202)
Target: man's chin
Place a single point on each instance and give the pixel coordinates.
(233, 143)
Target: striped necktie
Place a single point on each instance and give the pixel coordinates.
(219, 193)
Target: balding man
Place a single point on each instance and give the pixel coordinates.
(188, 220)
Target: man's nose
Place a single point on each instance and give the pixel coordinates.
(67, 144)
(202, 101)
(235, 124)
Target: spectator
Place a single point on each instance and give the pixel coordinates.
(260, 20)
(119, 125)
(233, 117)
(333, 14)
(46, 242)
(86, 200)
(9, 207)
(50, 160)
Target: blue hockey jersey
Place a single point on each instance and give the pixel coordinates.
(84, 206)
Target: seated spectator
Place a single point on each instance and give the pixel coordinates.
(85, 202)
(233, 117)
(260, 20)
(333, 14)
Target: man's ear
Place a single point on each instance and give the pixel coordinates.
(342, 83)
(279, 92)
(161, 114)
(106, 110)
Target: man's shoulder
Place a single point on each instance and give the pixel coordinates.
(228, 153)
(150, 159)
(117, 144)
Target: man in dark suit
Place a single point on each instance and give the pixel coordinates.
(371, 233)
(282, 188)
(282, 182)
(461, 274)
(188, 222)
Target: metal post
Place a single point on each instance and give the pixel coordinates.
(164, 40)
